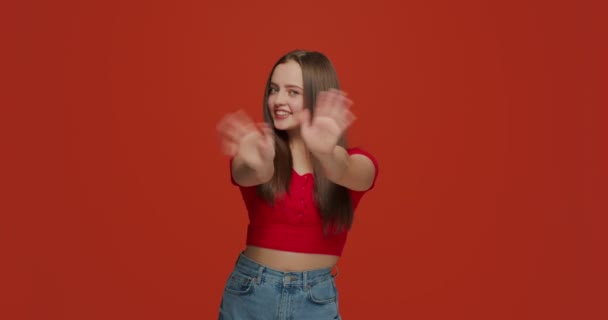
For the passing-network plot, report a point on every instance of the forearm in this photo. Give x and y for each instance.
(246, 175)
(334, 164)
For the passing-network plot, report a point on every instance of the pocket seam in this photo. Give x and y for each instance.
(235, 281)
(325, 301)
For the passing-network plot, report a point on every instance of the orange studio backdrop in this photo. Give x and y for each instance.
(488, 119)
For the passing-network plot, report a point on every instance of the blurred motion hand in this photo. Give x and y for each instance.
(331, 118)
(252, 142)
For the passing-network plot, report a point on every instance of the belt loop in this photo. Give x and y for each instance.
(259, 277)
(335, 275)
(238, 259)
(305, 280)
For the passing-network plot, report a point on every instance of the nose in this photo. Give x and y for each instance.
(280, 98)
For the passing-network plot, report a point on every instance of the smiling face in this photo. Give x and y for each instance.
(286, 95)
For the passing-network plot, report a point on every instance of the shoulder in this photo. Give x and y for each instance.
(364, 161)
(360, 151)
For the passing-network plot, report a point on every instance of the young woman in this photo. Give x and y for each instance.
(300, 184)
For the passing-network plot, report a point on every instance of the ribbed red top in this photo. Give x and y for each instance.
(294, 223)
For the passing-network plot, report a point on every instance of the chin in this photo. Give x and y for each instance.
(284, 125)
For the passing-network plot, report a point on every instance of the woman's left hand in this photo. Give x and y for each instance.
(331, 118)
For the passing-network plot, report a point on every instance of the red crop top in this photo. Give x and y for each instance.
(294, 223)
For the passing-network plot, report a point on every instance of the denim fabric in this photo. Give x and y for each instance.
(256, 292)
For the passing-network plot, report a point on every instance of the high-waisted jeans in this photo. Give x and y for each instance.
(256, 292)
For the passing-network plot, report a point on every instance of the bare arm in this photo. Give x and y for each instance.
(251, 148)
(321, 134)
(246, 176)
(354, 172)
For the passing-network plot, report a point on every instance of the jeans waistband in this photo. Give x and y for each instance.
(259, 272)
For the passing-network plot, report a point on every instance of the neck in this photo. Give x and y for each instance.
(296, 143)
(294, 134)
(298, 148)
(295, 139)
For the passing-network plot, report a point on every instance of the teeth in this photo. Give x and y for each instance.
(281, 113)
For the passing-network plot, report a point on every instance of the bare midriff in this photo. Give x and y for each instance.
(287, 261)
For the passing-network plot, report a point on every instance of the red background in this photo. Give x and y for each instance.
(487, 117)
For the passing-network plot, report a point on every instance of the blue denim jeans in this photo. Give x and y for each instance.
(256, 292)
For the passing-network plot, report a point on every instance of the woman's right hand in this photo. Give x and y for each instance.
(252, 143)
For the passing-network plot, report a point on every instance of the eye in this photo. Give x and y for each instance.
(293, 92)
(273, 90)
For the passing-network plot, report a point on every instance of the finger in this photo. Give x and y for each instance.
(269, 139)
(267, 131)
(225, 133)
(263, 126)
(340, 103)
(345, 120)
(241, 116)
(229, 130)
(229, 145)
(345, 109)
(228, 123)
(304, 118)
(322, 103)
(349, 119)
(338, 95)
(243, 122)
(232, 150)
(238, 125)
(347, 102)
(266, 148)
(333, 100)
(337, 106)
(223, 124)
(340, 106)
(229, 149)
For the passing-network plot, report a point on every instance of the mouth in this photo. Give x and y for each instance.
(281, 114)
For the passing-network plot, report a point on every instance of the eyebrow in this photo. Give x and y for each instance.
(287, 85)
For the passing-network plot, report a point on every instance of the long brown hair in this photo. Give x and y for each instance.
(333, 201)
